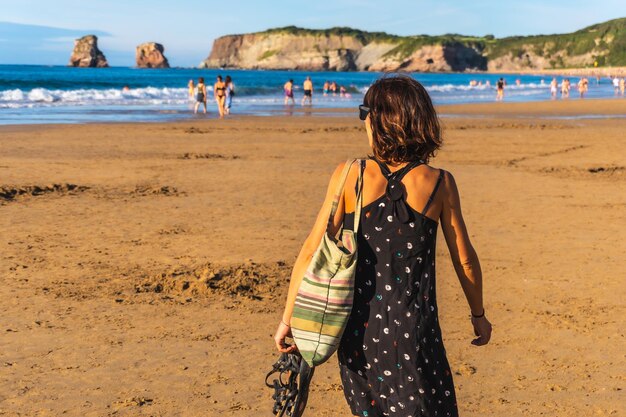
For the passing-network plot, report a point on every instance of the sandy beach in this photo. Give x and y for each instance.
(143, 267)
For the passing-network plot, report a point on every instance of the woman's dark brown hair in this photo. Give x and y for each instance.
(405, 126)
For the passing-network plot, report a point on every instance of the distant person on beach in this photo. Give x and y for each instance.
(192, 89)
(583, 86)
(616, 85)
(554, 88)
(565, 86)
(200, 95)
(333, 88)
(500, 90)
(219, 91)
(326, 88)
(622, 86)
(342, 91)
(230, 93)
(288, 89)
(392, 343)
(308, 91)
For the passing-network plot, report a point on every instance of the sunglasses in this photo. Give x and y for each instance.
(363, 111)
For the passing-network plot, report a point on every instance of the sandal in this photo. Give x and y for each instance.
(290, 394)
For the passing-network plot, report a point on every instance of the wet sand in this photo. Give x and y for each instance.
(143, 266)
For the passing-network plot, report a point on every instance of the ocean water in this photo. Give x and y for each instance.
(55, 94)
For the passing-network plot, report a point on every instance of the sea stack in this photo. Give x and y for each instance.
(150, 55)
(87, 54)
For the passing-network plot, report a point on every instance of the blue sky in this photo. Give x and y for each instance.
(187, 28)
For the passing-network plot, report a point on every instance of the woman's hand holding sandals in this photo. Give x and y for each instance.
(283, 331)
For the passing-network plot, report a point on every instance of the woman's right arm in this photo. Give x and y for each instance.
(306, 254)
(464, 258)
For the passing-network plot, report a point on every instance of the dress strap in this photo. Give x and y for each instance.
(432, 195)
(399, 174)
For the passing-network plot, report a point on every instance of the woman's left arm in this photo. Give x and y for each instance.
(306, 254)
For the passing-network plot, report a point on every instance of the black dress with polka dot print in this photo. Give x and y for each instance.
(391, 356)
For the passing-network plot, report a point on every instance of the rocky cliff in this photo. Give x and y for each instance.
(150, 55)
(338, 50)
(87, 54)
(346, 49)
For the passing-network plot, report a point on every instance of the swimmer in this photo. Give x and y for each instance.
(333, 88)
(342, 91)
(200, 95)
(126, 88)
(308, 91)
(326, 88)
(288, 89)
(219, 91)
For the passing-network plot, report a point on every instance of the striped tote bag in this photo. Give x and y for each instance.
(324, 299)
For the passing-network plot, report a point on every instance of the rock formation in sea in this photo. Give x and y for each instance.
(87, 54)
(150, 55)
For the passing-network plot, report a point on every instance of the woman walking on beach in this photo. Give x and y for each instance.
(219, 91)
(200, 95)
(391, 357)
(230, 93)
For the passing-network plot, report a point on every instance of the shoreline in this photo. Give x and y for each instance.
(547, 109)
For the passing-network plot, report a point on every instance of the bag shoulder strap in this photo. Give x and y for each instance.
(339, 191)
(359, 197)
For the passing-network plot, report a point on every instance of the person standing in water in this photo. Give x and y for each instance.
(230, 93)
(308, 91)
(616, 85)
(192, 89)
(622, 86)
(219, 91)
(288, 90)
(565, 88)
(500, 90)
(554, 88)
(326, 88)
(200, 95)
(583, 86)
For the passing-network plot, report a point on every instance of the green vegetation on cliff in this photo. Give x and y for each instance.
(603, 42)
(362, 36)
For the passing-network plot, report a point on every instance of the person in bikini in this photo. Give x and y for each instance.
(219, 91)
